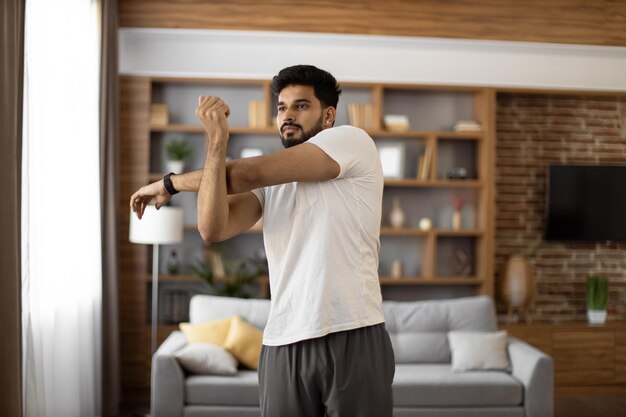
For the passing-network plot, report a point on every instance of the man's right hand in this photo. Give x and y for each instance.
(145, 194)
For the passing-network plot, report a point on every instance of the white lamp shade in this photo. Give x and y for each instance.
(162, 227)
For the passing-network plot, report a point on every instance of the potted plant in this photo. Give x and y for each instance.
(597, 299)
(177, 150)
(239, 274)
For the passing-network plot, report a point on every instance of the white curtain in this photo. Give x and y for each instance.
(61, 258)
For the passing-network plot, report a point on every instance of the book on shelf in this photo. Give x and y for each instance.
(423, 163)
(396, 122)
(362, 115)
(467, 126)
(257, 117)
(159, 114)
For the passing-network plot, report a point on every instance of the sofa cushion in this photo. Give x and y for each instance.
(206, 358)
(203, 308)
(436, 385)
(479, 351)
(213, 332)
(419, 329)
(244, 341)
(240, 389)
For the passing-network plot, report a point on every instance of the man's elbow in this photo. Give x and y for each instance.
(209, 234)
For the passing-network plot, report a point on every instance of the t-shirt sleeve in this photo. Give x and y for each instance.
(260, 195)
(352, 148)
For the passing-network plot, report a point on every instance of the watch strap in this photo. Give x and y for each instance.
(167, 183)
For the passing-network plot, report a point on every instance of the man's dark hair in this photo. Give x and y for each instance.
(324, 84)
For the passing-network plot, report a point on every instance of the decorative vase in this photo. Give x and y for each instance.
(396, 215)
(396, 269)
(173, 263)
(518, 286)
(456, 220)
(175, 166)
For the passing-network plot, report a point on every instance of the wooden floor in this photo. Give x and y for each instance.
(589, 406)
(563, 407)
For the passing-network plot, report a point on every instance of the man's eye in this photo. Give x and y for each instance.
(302, 106)
(281, 109)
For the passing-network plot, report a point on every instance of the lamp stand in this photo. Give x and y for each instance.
(155, 294)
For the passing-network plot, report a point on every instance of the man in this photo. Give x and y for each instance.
(325, 348)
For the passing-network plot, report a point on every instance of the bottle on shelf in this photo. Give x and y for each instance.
(456, 214)
(396, 215)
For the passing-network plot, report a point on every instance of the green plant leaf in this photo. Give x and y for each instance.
(597, 292)
(178, 149)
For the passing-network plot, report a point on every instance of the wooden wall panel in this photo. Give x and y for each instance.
(133, 173)
(601, 22)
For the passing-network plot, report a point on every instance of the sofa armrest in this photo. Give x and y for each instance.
(167, 394)
(535, 370)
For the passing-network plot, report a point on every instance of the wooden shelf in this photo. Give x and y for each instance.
(189, 128)
(387, 231)
(261, 279)
(403, 231)
(431, 281)
(460, 232)
(425, 134)
(270, 130)
(433, 183)
(411, 231)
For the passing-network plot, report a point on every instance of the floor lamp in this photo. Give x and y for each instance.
(156, 227)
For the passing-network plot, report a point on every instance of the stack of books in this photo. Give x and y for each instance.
(396, 122)
(362, 115)
(257, 117)
(467, 126)
(159, 115)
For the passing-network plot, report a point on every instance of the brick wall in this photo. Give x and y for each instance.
(534, 131)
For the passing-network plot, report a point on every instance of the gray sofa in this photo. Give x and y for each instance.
(424, 384)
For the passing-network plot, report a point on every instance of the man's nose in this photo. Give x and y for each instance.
(288, 116)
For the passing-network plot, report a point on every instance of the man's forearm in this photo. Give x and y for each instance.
(212, 193)
(189, 181)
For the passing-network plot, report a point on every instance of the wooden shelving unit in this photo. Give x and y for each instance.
(423, 105)
(432, 110)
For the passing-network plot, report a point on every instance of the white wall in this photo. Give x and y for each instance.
(259, 55)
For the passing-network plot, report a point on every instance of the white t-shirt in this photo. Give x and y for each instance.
(322, 243)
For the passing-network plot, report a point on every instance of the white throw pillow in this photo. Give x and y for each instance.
(206, 358)
(478, 351)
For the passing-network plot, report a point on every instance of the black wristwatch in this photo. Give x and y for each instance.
(167, 183)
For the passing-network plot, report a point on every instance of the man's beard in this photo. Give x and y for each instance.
(293, 141)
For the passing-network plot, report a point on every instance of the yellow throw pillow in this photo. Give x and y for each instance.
(244, 342)
(214, 332)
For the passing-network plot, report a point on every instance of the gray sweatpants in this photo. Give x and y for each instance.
(343, 374)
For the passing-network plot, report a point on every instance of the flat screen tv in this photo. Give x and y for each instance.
(586, 203)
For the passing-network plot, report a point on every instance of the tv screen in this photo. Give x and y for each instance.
(586, 203)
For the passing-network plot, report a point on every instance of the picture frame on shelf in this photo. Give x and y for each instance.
(392, 157)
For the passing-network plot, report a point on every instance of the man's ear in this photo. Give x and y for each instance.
(330, 113)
